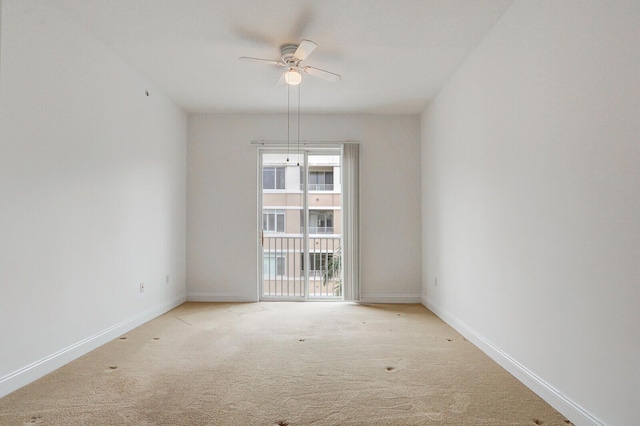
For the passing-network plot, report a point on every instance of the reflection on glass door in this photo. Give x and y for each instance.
(301, 219)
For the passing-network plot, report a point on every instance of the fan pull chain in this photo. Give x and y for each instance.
(299, 86)
(288, 120)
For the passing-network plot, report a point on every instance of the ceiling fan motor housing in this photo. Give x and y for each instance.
(287, 51)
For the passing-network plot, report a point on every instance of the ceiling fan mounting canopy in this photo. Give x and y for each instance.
(291, 56)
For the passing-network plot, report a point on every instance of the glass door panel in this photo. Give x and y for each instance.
(324, 214)
(282, 242)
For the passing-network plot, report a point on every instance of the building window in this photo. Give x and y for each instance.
(318, 263)
(319, 180)
(273, 221)
(273, 265)
(320, 222)
(273, 178)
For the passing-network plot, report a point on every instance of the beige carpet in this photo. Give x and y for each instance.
(282, 364)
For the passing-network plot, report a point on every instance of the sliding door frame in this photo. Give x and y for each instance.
(349, 209)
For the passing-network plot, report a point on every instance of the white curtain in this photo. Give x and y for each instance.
(351, 225)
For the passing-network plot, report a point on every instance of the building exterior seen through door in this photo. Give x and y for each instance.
(301, 219)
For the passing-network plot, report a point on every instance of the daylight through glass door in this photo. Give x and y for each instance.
(301, 218)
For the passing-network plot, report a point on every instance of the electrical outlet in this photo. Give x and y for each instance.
(141, 287)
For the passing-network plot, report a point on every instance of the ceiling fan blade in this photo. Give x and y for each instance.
(325, 75)
(268, 61)
(304, 49)
(281, 81)
(301, 24)
(254, 36)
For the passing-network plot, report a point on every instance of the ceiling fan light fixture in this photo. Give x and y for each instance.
(293, 77)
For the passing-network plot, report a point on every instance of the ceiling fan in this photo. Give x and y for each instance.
(292, 56)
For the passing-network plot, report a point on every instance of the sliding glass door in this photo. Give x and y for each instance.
(300, 220)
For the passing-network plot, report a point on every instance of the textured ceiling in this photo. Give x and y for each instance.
(393, 55)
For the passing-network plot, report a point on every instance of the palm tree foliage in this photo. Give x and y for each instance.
(333, 272)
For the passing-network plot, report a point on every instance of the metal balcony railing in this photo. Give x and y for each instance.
(319, 230)
(318, 187)
(284, 265)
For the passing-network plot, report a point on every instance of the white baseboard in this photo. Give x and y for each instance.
(221, 297)
(46, 365)
(574, 412)
(390, 298)
(243, 297)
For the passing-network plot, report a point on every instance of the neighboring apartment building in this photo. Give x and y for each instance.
(285, 263)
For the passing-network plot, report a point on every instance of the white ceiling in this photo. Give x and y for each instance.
(393, 55)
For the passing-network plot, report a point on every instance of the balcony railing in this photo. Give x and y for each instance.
(318, 230)
(318, 187)
(288, 280)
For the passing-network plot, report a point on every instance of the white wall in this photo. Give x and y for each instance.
(93, 190)
(222, 201)
(531, 203)
(0, 45)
